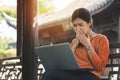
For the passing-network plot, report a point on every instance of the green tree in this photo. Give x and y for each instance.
(3, 45)
(9, 11)
(45, 6)
(4, 42)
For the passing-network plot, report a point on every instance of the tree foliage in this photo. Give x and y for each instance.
(3, 48)
(45, 6)
(4, 42)
(9, 11)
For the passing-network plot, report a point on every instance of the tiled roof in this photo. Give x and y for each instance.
(94, 6)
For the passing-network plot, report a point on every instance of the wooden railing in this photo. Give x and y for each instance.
(11, 68)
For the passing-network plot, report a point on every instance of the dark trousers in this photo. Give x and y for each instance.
(68, 75)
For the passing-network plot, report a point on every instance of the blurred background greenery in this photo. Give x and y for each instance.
(5, 49)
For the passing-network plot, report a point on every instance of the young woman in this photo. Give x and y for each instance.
(90, 49)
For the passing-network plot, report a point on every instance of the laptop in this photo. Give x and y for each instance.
(57, 56)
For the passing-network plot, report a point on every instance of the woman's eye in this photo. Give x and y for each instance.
(74, 25)
(80, 25)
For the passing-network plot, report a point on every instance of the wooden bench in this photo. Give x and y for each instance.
(112, 70)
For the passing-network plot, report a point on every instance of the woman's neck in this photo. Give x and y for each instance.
(92, 34)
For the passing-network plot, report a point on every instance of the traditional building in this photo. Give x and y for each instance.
(56, 27)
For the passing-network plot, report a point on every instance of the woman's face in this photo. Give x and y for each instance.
(81, 25)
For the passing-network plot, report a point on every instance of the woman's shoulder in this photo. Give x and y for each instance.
(100, 40)
(101, 36)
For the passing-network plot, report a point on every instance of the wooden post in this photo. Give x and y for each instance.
(19, 27)
(27, 10)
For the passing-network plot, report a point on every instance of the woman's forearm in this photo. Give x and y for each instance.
(74, 44)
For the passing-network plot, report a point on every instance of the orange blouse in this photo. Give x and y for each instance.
(100, 44)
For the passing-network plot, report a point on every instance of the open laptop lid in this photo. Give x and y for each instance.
(57, 56)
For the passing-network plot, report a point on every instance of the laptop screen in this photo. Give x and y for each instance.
(57, 56)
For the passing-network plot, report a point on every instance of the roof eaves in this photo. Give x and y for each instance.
(93, 6)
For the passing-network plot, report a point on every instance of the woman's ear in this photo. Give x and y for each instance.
(91, 22)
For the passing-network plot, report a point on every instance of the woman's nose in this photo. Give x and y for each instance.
(77, 27)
